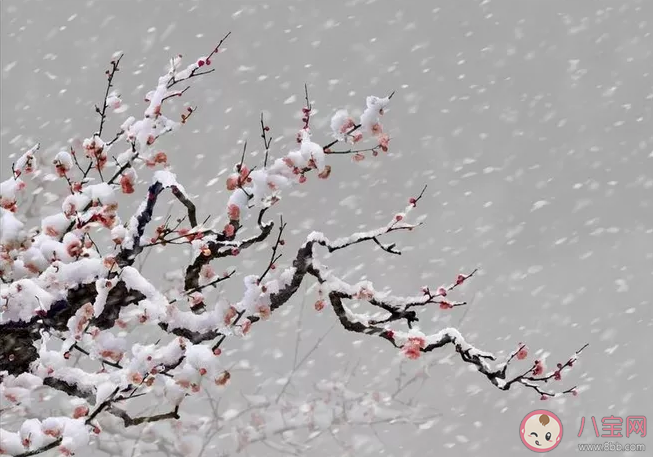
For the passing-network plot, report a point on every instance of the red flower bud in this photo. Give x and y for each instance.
(445, 305)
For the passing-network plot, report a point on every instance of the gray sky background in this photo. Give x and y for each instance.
(530, 121)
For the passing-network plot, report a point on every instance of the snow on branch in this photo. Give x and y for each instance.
(413, 342)
(130, 236)
(66, 296)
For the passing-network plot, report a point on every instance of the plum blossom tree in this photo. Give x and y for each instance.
(69, 302)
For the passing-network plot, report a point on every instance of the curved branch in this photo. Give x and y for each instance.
(448, 336)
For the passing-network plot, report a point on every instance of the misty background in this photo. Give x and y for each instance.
(530, 122)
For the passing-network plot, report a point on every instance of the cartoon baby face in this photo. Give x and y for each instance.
(541, 431)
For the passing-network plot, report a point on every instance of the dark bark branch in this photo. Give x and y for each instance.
(222, 248)
(190, 207)
(496, 375)
(111, 73)
(70, 389)
(17, 339)
(130, 422)
(42, 449)
(127, 257)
